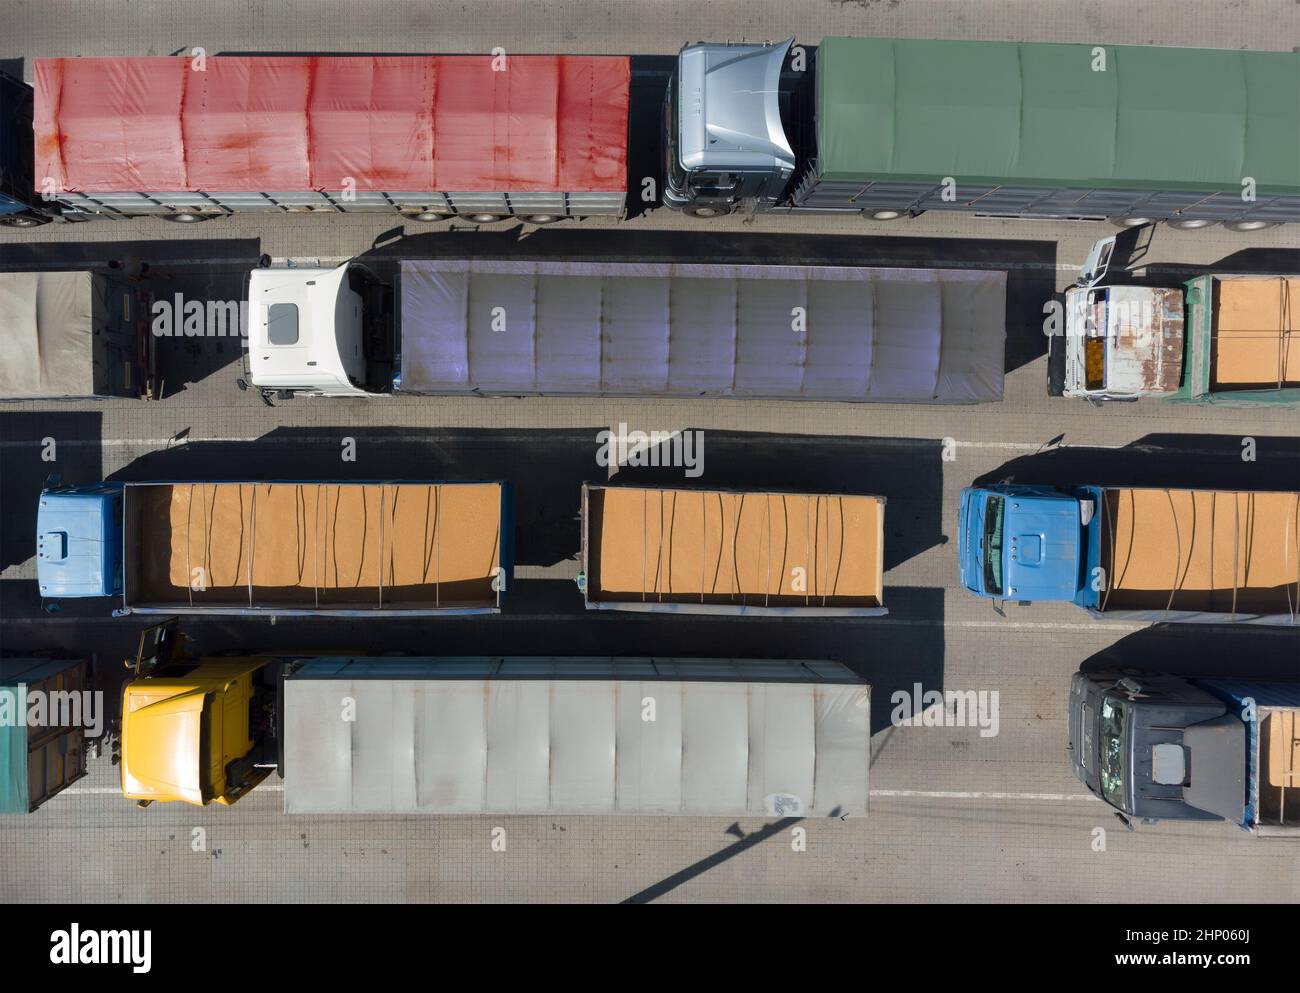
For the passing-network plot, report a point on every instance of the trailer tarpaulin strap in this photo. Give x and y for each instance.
(641, 329)
(520, 124)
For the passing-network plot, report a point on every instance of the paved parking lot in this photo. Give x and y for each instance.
(953, 815)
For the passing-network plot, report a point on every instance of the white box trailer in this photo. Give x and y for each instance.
(719, 737)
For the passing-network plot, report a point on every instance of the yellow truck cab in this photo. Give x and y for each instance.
(194, 730)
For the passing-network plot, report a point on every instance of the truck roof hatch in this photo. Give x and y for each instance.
(730, 107)
(1041, 548)
(1217, 760)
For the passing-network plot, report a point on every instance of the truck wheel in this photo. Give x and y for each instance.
(1188, 223)
(185, 217)
(1130, 222)
(884, 214)
(24, 220)
(543, 218)
(428, 216)
(706, 211)
(484, 218)
(1249, 225)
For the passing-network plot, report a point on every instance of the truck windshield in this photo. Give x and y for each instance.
(993, 515)
(1094, 342)
(1111, 766)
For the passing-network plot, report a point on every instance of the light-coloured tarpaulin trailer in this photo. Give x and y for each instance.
(659, 329)
(1199, 555)
(306, 548)
(701, 551)
(728, 738)
(69, 335)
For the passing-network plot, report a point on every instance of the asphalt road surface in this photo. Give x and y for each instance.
(953, 815)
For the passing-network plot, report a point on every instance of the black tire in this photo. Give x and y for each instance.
(706, 211)
(24, 220)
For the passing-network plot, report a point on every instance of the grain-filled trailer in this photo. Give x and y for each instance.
(46, 722)
(1136, 553)
(1242, 340)
(515, 328)
(890, 127)
(534, 136)
(292, 548)
(701, 551)
(74, 335)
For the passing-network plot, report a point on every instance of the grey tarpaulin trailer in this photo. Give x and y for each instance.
(659, 329)
(73, 334)
(572, 736)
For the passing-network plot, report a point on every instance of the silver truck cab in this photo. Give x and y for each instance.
(725, 144)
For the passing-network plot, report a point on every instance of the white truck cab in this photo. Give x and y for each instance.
(1121, 342)
(307, 331)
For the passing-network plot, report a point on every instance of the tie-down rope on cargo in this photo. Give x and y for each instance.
(189, 575)
(1106, 528)
(252, 546)
(1284, 332)
(1286, 549)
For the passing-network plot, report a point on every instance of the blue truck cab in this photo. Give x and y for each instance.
(1027, 543)
(79, 541)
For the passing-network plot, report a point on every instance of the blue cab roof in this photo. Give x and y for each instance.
(72, 530)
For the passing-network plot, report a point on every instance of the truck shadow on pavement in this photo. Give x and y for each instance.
(206, 270)
(1205, 461)
(1202, 651)
(32, 447)
(547, 468)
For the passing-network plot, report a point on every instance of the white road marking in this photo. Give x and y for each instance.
(331, 439)
(978, 795)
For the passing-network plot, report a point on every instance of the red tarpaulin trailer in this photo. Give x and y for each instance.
(525, 134)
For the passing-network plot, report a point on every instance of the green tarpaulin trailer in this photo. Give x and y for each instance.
(1055, 130)
(41, 752)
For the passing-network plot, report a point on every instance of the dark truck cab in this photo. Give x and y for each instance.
(1158, 747)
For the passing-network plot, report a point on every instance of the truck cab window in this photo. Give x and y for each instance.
(1111, 766)
(993, 516)
(716, 182)
(1094, 342)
